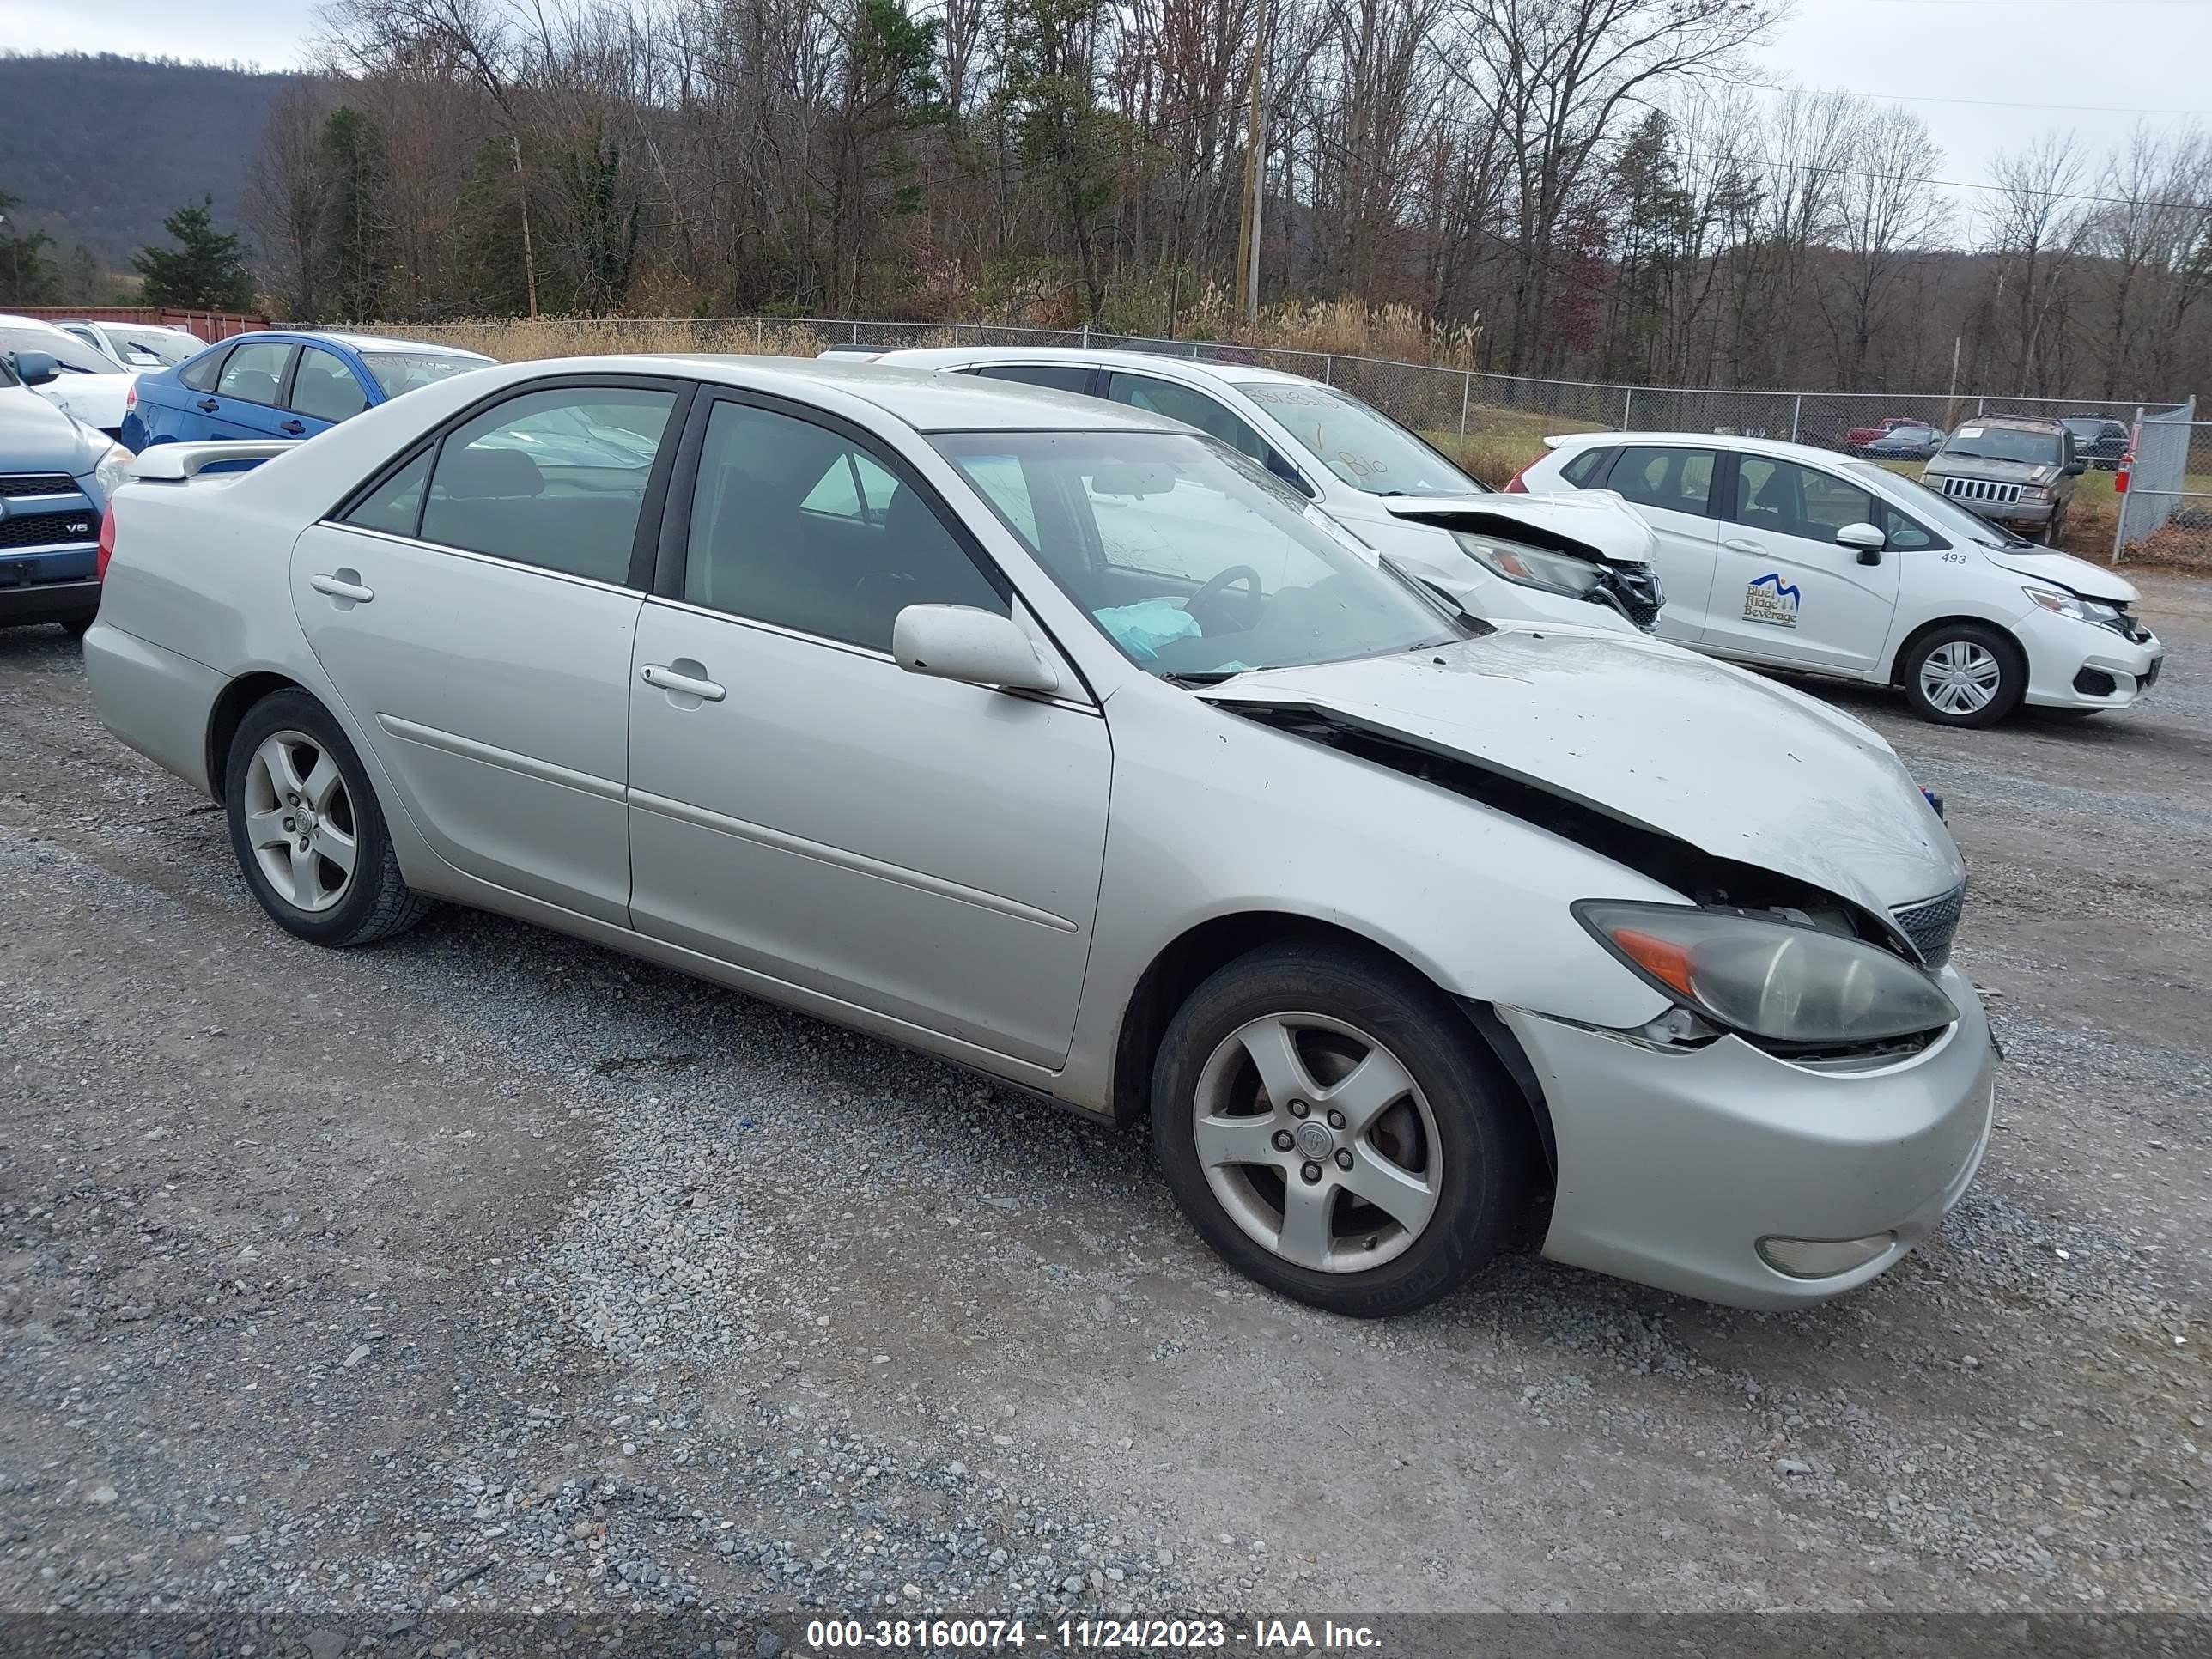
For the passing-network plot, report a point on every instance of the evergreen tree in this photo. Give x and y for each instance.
(26, 276)
(205, 271)
(356, 242)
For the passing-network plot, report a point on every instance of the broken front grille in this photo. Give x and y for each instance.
(1980, 489)
(1931, 923)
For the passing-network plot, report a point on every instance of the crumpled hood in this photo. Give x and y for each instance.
(37, 437)
(2088, 580)
(1597, 523)
(1656, 736)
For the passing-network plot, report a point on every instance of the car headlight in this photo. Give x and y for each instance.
(2074, 605)
(111, 471)
(1785, 981)
(1554, 573)
(2035, 492)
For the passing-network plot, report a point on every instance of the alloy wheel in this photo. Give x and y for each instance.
(1960, 677)
(299, 821)
(1317, 1142)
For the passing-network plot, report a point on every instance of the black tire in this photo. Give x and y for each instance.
(2012, 684)
(76, 627)
(2054, 529)
(377, 902)
(1483, 1136)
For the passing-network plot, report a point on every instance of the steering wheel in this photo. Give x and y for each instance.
(1209, 601)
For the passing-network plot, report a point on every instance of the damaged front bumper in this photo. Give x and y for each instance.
(1673, 1166)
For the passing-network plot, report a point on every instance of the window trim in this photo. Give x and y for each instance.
(638, 579)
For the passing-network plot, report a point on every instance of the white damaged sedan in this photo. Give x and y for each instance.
(1058, 741)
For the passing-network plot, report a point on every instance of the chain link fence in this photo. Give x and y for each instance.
(2166, 513)
(1494, 423)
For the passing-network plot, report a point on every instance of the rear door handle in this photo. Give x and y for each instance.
(667, 679)
(1740, 545)
(293, 427)
(338, 588)
(210, 405)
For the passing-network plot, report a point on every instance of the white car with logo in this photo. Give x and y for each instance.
(1562, 560)
(1783, 556)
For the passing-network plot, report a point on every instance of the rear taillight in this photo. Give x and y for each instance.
(130, 395)
(107, 544)
(1514, 486)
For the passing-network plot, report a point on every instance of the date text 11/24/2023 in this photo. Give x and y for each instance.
(983, 1635)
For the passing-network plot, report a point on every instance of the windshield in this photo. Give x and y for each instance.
(1192, 560)
(1363, 446)
(1939, 510)
(166, 346)
(2005, 443)
(409, 371)
(72, 355)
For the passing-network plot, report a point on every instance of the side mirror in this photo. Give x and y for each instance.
(1867, 538)
(960, 642)
(2074, 469)
(36, 368)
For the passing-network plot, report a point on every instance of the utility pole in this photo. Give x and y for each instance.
(1247, 229)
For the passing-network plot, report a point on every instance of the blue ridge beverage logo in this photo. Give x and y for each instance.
(1771, 601)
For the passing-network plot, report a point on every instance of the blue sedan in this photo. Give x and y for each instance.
(281, 383)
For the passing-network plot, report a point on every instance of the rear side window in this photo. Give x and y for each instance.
(1059, 377)
(395, 506)
(1586, 467)
(1180, 403)
(200, 372)
(254, 372)
(325, 388)
(554, 479)
(1680, 480)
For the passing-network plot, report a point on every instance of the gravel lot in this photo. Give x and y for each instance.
(489, 1271)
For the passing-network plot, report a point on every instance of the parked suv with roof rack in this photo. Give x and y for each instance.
(2009, 470)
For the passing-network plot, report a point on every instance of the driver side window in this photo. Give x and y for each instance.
(1789, 500)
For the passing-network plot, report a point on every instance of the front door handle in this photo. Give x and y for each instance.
(667, 679)
(338, 588)
(1740, 545)
(208, 405)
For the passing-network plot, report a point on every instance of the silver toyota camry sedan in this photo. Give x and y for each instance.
(1059, 740)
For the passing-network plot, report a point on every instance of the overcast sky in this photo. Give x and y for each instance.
(2124, 59)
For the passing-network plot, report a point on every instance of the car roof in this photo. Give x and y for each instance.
(9, 320)
(1776, 447)
(1195, 368)
(2016, 423)
(351, 342)
(925, 400)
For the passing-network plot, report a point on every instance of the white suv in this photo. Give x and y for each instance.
(1787, 556)
(1558, 561)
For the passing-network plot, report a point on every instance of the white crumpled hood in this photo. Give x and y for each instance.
(2089, 581)
(1597, 520)
(1647, 733)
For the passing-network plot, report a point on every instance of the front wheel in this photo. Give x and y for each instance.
(305, 824)
(1964, 674)
(1335, 1130)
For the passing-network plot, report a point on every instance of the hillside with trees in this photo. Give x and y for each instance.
(1583, 188)
(98, 150)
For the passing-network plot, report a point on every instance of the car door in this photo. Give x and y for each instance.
(324, 391)
(167, 409)
(802, 807)
(474, 607)
(248, 397)
(1784, 591)
(1671, 486)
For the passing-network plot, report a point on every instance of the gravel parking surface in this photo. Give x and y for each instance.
(489, 1270)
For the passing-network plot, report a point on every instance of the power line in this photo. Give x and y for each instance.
(1996, 103)
(1950, 184)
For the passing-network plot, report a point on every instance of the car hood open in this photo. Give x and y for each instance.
(1595, 523)
(1651, 736)
(2077, 575)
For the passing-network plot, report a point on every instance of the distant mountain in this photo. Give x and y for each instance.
(102, 150)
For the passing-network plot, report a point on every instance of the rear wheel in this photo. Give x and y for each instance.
(1334, 1128)
(309, 836)
(1964, 674)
